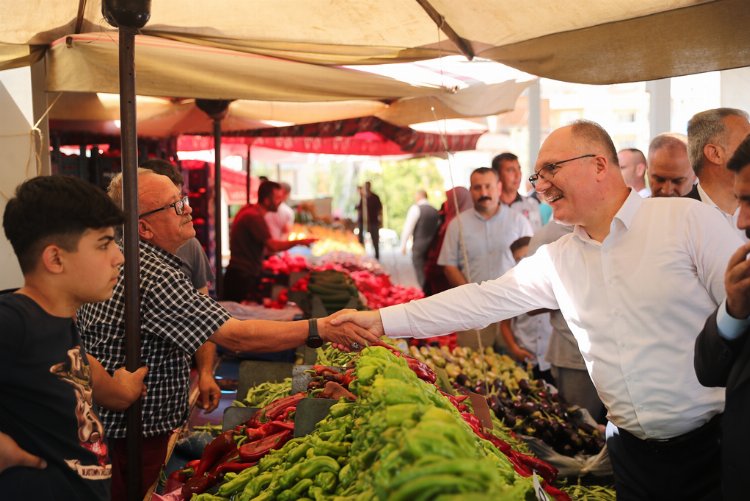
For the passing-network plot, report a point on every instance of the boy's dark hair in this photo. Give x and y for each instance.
(165, 169)
(266, 189)
(521, 242)
(55, 209)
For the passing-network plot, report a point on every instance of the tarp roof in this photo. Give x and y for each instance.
(588, 41)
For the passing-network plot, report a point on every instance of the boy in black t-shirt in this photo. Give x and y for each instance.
(51, 440)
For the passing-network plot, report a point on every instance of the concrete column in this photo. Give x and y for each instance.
(535, 123)
(734, 85)
(661, 105)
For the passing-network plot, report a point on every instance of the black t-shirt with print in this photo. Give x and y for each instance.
(46, 406)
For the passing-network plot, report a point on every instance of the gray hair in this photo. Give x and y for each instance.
(705, 127)
(114, 190)
(594, 133)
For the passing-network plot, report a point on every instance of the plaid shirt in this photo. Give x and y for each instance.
(176, 320)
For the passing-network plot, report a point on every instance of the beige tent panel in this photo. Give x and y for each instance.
(88, 63)
(594, 41)
(680, 42)
(478, 101)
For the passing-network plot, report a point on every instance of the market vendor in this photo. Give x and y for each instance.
(635, 281)
(249, 239)
(176, 320)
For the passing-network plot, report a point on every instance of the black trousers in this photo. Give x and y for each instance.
(687, 467)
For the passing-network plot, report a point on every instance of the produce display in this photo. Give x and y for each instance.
(523, 404)
(392, 435)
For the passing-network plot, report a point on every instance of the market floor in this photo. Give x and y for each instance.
(398, 266)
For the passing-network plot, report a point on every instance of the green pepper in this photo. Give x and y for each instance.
(327, 480)
(334, 449)
(297, 453)
(238, 483)
(429, 486)
(347, 474)
(257, 484)
(313, 466)
(295, 492)
(317, 493)
(270, 461)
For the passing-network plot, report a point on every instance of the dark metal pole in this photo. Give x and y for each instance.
(129, 16)
(132, 272)
(217, 208)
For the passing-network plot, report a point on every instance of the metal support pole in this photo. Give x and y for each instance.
(129, 150)
(217, 208)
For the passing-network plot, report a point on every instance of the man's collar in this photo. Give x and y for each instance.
(155, 249)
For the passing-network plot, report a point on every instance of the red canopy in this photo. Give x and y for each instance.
(356, 136)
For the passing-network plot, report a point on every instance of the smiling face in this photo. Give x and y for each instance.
(571, 184)
(92, 268)
(165, 228)
(485, 192)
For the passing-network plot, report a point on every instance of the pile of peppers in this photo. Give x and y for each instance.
(241, 447)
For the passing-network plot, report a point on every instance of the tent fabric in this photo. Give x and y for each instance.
(88, 63)
(590, 41)
(362, 136)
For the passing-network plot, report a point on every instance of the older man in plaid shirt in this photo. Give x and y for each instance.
(175, 321)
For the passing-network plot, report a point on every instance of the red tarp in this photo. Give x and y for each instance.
(233, 183)
(356, 136)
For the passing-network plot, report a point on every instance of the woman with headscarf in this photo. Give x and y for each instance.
(457, 200)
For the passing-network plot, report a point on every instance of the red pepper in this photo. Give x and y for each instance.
(197, 485)
(474, 422)
(227, 467)
(253, 451)
(543, 468)
(268, 428)
(276, 408)
(218, 447)
(556, 493)
(502, 445)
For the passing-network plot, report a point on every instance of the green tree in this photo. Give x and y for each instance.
(398, 181)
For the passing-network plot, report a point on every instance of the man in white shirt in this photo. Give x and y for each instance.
(477, 246)
(280, 222)
(713, 137)
(421, 225)
(633, 167)
(669, 170)
(634, 281)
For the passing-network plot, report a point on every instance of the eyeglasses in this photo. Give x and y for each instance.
(179, 207)
(547, 171)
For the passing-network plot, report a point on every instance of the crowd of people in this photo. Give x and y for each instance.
(646, 288)
(634, 301)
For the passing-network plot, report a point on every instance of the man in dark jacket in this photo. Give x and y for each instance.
(722, 353)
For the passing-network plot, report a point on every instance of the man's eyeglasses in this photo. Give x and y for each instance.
(547, 171)
(179, 207)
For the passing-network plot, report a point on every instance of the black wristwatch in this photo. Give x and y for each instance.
(313, 338)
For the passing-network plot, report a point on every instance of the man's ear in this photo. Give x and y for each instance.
(51, 259)
(640, 170)
(714, 153)
(144, 230)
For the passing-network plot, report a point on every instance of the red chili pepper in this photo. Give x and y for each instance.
(275, 409)
(543, 468)
(502, 445)
(218, 447)
(474, 422)
(253, 451)
(556, 493)
(197, 485)
(227, 467)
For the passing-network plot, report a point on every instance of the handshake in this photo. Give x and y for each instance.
(351, 330)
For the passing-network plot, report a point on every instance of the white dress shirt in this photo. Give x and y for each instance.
(487, 243)
(280, 222)
(634, 302)
(730, 218)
